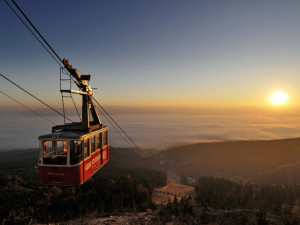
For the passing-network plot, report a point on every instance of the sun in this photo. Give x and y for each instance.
(279, 98)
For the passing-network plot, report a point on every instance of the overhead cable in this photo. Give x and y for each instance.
(59, 64)
(114, 126)
(37, 30)
(116, 123)
(33, 33)
(40, 115)
(35, 97)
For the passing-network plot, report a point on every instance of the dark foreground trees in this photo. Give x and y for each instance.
(224, 194)
(220, 201)
(115, 191)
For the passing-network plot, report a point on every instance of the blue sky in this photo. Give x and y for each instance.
(157, 53)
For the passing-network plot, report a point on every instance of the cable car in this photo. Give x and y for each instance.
(75, 151)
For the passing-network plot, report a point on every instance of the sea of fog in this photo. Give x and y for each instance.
(158, 131)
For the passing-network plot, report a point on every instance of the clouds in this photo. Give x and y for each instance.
(160, 130)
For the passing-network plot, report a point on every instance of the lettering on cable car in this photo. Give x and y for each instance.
(96, 159)
(88, 166)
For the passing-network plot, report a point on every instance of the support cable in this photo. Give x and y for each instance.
(37, 30)
(60, 65)
(114, 126)
(33, 33)
(75, 106)
(40, 115)
(116, 123)
(105, 113)
(35, 97)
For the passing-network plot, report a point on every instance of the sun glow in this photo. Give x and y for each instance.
(279, 98)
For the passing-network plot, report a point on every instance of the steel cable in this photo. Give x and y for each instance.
(59, 64)
(32, 33)
(35, 97)
(40, 115)
(37, 30)
(115, 123)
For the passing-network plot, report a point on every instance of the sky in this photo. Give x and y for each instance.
(213, 62)
(157, 53)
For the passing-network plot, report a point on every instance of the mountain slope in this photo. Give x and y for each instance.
(272, 161)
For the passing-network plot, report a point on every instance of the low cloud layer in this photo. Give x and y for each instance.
(159, 131)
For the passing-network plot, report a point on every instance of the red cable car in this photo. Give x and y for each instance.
(75, 151)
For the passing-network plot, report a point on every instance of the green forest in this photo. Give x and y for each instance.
(220, 201)
(126, 185)
(112, 190)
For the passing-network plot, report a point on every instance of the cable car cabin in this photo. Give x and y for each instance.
(69, 158)
(75, 151)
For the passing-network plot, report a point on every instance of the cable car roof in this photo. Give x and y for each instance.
(71, 134)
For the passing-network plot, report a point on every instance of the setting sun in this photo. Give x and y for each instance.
(279, 98)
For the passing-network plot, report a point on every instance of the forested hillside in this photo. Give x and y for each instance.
(117, 187)
(263, 162)
(220, 201)
(242, 182)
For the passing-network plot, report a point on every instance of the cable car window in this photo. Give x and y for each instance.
(55, 152)
(62, 148)
(104, 138)
(93, 144)
(75, 152)
(47, 148)
(99, 140)
(87, 148)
